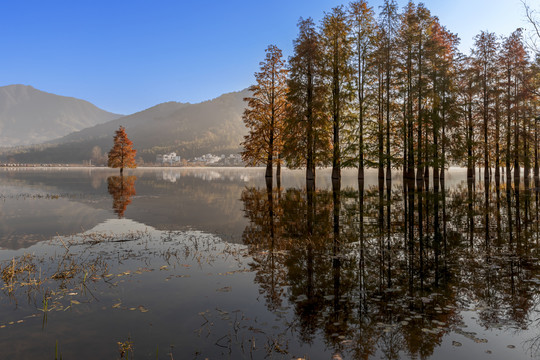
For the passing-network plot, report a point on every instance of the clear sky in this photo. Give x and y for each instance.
(127, 55)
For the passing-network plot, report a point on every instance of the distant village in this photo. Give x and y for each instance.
(168, 160)
(172, 159)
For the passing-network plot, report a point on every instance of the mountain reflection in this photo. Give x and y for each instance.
(390, 270)
(121, 188)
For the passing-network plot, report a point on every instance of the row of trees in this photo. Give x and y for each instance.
(394, 92)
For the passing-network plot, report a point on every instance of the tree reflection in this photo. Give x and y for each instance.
(390, 269)
(121, 188)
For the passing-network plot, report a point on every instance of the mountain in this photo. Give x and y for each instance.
(214, 126)
(31, 116)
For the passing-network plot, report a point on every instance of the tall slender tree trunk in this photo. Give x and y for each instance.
(508, 128)
(405, 140)
(388, 72)
(310, 166)
(336, 103)
(497, 140)
(420, 169)
(435, 152)
(486, 118)
(443, 139)
(270, 160)
(361, 81)
(470, 170)
(536, 169)
(517, 170)
(278, 172)
(380, 116)
(526, 155)
(410, 131)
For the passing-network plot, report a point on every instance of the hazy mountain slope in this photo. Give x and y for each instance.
(30, 116)
(189, 129)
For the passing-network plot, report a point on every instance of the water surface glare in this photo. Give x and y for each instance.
(211, 263)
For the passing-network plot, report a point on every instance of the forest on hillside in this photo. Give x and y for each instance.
(190, 130)
(391, 90)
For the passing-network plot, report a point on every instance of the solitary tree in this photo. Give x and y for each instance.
(122, 154)
(265, 112)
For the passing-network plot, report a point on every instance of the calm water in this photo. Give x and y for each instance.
(210, 263)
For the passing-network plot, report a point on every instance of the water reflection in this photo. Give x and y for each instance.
(121, 188)
(365, 269)
(392, 270)
(37, 204)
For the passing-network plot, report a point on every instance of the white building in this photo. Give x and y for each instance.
(171, 158)
(208, 159)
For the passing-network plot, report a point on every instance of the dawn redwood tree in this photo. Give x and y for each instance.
(441, 49)
(388, 26)
(306, 131)
(363, 31)
(407, 44)
(397, 92)
(485, 63)
(467, 99)
(418, 48)
(514, 61)
(122, 154)
(265, 112)
(535, 84)
(337, 52)
(425, 20)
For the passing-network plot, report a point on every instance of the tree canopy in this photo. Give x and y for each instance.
(122, 154)
(393, 92)
(265, 112)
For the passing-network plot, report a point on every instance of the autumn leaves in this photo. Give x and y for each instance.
(392, 92)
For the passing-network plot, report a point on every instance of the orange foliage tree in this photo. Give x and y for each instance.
(265, 112)
(122, 154)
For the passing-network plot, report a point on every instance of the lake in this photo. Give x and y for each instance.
(190, 263)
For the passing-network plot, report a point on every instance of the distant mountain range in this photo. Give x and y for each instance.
(190, 130)
(29, 116)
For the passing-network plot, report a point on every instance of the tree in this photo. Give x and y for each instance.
(387, 29)
(307, 139)
(98, 158)
(265, 112)
(406, 41)
(441, 50)
(485, 63)
(122, 154)
(467, 99)
(532, 18)
(363, 28)
(514, 61)
(337, 72)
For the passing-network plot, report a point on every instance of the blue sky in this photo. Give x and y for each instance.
(125, 56)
